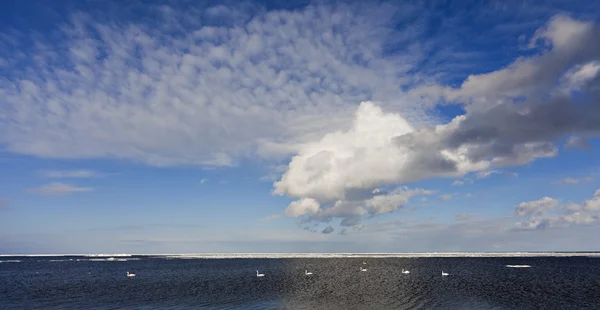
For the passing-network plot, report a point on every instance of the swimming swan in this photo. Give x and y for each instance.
(130, 274)
(306, 273)
(405, 271)
(444, 273)
(259, 274)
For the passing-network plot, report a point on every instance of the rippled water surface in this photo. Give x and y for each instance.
(336, 283)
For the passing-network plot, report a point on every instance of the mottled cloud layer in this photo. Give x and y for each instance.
(199, 86)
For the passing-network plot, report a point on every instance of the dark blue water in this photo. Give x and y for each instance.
(337, 283)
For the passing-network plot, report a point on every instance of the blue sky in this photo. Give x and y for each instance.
(187, 127)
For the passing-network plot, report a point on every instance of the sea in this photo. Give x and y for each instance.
(162, 282)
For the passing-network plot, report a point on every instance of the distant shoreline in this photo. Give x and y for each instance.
(329, 255)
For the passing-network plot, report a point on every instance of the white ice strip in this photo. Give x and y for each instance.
(327, 255)
(375, 255)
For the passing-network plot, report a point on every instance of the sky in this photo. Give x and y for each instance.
(308, 126)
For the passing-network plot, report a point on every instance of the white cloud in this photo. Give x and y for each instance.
(462, 182)
(548, 213)
(69, 173)
(580, 75)
(381, 204)
(536, 207)
(353, 210)
(203, 181)
(486, 173)
(181, 91)
(363, 157)
(302, 207)
(468, 195)
(57, 188)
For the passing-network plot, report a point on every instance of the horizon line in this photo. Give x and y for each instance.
(300, 254)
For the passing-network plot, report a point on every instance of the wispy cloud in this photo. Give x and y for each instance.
(462, 182)
(488, 173)
(458, 183)
(577, 142)
(203, 181)
(57, 188)
(271, 217)
(69, 173)
(574, 180)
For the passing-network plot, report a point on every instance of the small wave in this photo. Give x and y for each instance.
(518, 266)
(10, 261)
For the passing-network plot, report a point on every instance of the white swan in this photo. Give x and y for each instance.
(259, 274)
(129, 274)
(363, 269)
(364, 263)
(306, 273)
(405, 271)
(444, 273)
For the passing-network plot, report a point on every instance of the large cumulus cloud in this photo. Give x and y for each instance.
(513, 116)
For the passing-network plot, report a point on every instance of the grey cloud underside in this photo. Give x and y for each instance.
(508, 134)
(511, 132)
(327, 230)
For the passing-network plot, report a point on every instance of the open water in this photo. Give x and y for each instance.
(336, 283)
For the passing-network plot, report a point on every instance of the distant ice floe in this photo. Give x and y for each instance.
(10, 261)
(127, 257)
(518, 266)
(63, 255)
(106, 255)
